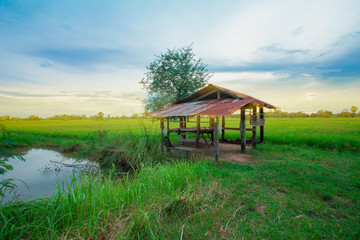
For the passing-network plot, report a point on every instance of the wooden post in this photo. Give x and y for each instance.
(223, 128)
(162, 133)
(168, 126)
(261, 126)
(197, 130)
(212, 126)
(217, 139)
(254, 120)
(181, 122)
(242, 130)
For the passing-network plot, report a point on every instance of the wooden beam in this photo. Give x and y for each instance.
(197, 130)
(227, 128)
(217, 139)
(223, 128)
(242, 130)
(254, 127)
(261, 126)
(204, 95)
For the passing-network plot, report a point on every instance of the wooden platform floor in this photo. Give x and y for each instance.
(228, 152)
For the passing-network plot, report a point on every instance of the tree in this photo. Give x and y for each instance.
(344, 113)
(173, 76)
(353, 109)
(101, 115)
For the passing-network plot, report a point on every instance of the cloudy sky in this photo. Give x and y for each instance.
(87, 56)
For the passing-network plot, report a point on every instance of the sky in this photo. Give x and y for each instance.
(86, 56)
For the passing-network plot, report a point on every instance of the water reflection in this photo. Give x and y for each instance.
(42, 170)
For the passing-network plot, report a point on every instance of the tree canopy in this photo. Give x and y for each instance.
(173, 76)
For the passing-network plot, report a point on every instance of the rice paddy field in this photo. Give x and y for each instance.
(303, 183)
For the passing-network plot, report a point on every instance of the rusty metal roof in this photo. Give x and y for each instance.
(205, 102)
(211, 108)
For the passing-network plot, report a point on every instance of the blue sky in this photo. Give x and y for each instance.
(87, 56)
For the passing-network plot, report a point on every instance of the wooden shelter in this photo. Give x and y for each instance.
(213, 102)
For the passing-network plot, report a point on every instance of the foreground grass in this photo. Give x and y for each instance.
(294, 190)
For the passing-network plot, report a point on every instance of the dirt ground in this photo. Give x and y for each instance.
(228, 152)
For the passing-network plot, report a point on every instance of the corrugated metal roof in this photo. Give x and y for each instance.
(193, 105)
(212, 108)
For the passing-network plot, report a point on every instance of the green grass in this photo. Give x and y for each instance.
(341, 134)
(304, 185)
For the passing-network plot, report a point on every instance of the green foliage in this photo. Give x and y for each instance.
(173, 76)
(68, 117)
(33, 117)
(319, 114)
(322, 114)
(5, 118)
(353, 109)
(6, 145)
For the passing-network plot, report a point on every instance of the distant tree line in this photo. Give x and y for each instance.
(65, 117)
(345, 113)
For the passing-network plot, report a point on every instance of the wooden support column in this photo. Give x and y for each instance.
(181, 121)
(197, 130)
(162, 133)
(223, 128)
(212, 126)
(262, 125)
(217, 139)
(254, 120)
(242, 130)
(168, 126)
(181, 125)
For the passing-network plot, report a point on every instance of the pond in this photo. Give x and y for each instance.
(42, 170)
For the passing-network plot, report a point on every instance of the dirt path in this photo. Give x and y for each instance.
(228, 152)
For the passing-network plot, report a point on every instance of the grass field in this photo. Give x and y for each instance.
(342, 134)
(304, 184)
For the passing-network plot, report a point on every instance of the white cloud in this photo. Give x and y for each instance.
(237, 38)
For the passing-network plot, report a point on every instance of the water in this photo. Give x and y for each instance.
(42, 170)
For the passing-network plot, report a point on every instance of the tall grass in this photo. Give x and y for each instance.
(152, 204)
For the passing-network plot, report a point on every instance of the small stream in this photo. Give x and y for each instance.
(42, 170)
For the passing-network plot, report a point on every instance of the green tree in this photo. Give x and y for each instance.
(353, 109)
(173, 76)
(344, 113)
(100, 115)
(33, 117)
